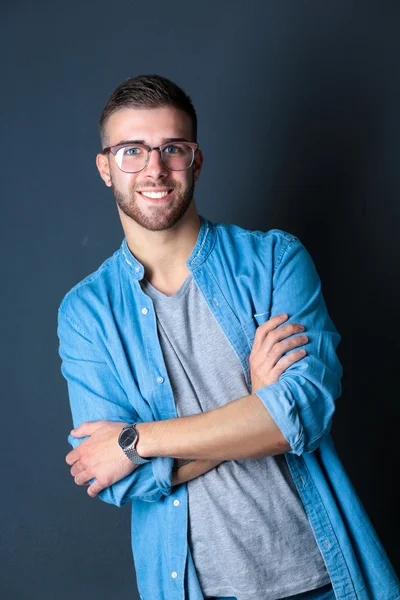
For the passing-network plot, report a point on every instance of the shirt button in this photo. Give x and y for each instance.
(174, 574)
(160, 379)
(137, 269)
(145, 311)
(176, 503)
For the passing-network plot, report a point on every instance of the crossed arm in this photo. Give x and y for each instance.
(290, 415)
(240, 429)
(96, 460)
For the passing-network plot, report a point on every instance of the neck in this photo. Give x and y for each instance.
(163, 253)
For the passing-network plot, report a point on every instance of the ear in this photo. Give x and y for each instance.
(104, 168)
(198, 163)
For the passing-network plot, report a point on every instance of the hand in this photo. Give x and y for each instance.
(99, 456)
(265, 366)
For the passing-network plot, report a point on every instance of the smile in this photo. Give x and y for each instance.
(157, 197)
(155, 194)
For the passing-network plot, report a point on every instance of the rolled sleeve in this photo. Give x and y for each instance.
(95, 394)
(302, 402)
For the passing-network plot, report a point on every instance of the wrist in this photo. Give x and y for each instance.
(143, 447)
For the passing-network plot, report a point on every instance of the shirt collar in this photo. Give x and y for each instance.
(202, 248)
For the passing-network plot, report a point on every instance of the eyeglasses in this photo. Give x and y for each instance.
(132, 158)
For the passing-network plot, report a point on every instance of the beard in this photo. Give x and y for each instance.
(159, 217)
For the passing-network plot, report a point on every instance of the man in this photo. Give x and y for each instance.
(188, 391)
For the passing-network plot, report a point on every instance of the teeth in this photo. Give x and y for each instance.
(155, 194)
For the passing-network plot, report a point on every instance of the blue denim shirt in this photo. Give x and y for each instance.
(114, 367)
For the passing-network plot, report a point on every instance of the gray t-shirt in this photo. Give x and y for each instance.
(248, 531)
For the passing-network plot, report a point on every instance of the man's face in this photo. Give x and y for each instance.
(151, 126)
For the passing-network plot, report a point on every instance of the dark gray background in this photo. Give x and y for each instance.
(306, 94)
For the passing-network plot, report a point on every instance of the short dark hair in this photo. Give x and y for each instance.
(147, 91)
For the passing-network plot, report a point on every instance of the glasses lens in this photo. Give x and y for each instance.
(177, 156)
(131, 158)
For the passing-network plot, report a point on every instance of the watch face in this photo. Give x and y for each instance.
(128, 436)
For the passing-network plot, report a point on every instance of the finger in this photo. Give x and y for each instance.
(270, 352)
(94, 489)
(86, 428)
(284, 332)
(274, 365)
(263, 330)
(83, 478)
(271, 342)
(281, 347)
(72, 456)
(77, 468)
(288, 360)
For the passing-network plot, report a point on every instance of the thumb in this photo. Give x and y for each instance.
(87, 428)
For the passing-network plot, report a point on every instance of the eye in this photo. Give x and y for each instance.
(132, 151)
(172, 149)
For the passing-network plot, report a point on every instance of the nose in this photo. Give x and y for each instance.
(155, 167)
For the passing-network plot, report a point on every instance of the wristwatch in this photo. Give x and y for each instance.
(127, 440)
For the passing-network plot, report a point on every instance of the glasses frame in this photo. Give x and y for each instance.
(114, 149)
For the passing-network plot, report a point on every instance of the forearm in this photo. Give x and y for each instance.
(240, 429)
(193, 470)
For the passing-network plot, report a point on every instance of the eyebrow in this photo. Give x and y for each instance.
(165, 140)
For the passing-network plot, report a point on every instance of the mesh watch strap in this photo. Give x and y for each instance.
(133, 454)
(135, 457)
